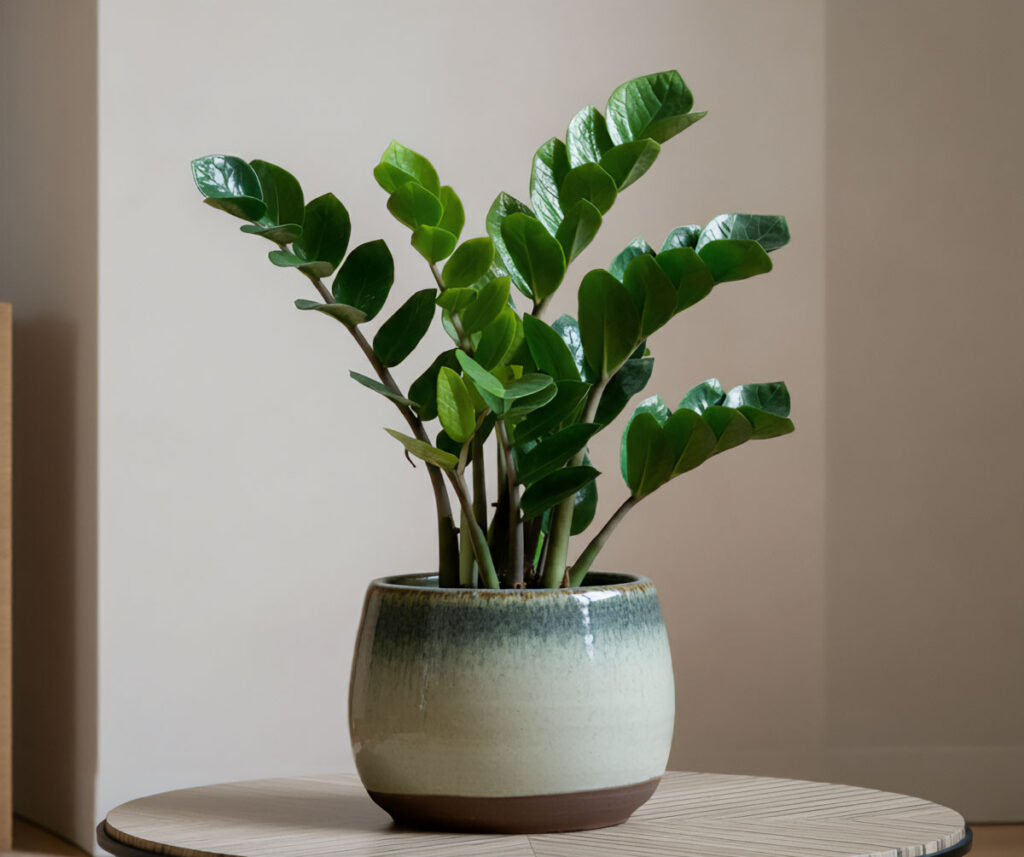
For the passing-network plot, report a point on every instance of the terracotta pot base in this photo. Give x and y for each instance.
(555, 813)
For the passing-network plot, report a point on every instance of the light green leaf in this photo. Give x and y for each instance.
(734, 260)
(400, 165)
(609, 323)
(415, 206)
(554, 488)
(401, 333)
(423, 450)
(491, 299)
(365, 278)
(649, 457)
(769, 230)
(628, 161)
(589, 182)
(484, 380)
(502, 207)
(549, 350)
(378, 387)
(454, 407)
(282, 194)
(636, 247)
(453, 218)
(534, 253)
(587, 138)
(703, 396)
(433, 243)
(527, 385)
(550, 165)
(652, 293)
(325, 232)
(578, 228)
(470, 262)
(656, 106)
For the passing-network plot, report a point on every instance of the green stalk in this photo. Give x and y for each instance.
(467, 562)
(590, 552)
(515, 523)
(476, 533)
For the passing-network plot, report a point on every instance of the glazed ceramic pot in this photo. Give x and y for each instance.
(511, 711)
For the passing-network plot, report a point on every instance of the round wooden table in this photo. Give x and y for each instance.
(690, 815)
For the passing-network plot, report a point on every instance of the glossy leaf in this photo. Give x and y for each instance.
(456, 300)
(569, 329)
(378, 387)
(348, 315)
(454, 406)
(652, 293)
(649, 456)
(554, 488)
(624, 384)
(229, 184)
(550, 165)
(527, 385)
(628, 161)
(653, 406)
(423, 450)
(769, 230)
(415, 206)
(656, 106)
(365, 278)
(584, 506)
(485, 382)
(423, 391)
(401, 333)
(400, 165)
(681, 236)
(469, 264)
(689, 276)
(282, 194)
(609, 322)
(497, 339)
(693, 440)
(589, 182)
(325, 231)
(567, 404)
(502, 207)
(535, 254)
(636, 247)
(453, 218)
(284, 259)
(549, 351)
(772, 397)
(552, 452)
(285, 234)
(587, 138)
(766, 425)
(734, 260)
(703, 396)
(491, 300)
(433, 243)
(521, 406)
(731, 428)
(578, 228)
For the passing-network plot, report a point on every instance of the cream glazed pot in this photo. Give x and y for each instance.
(511, 711)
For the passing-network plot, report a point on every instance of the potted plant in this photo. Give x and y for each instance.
(509, 689)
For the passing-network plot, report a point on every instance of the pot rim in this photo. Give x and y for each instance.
(615, 581)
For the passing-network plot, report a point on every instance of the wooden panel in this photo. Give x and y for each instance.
(691, 815)
(5, 577)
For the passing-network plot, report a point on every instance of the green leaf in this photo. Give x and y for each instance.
(628, 161)
(456, 300)
(347, 315)
(609, 323)
(229, 184)
(365, 278)
(285, 234)
(689, 276)
(731, 428)
(550, 165)
(552, 452)
(766, 425)
(649, 456)
(734, 260)
(653, 406)
(401, 333)
(453, 218)
(624, 384)
(587, 138)
(454, 406)
(400, 165)
(549, 350)
(284, 259)
(502, 207)
(652, 292)
(578, 229)
(535, 253)
(491, 300)
(772, 397)
(378, 387)
(423, 391)
(584, 506)
(282, 194)
(769, 230)
(703, 396)
(682, 236)
(415, 206)
(636, 247)
(693, 441)
(423, 450)
(656, 106)
(567, 403)
(325, 232)
(527, 385)
(497, 339)
(515, 409)
(484, 380)
(433, 243)
(589, 182)
(554, 488)
(569, 329)
(469, 263)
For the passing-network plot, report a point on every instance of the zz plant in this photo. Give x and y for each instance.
(541, 389)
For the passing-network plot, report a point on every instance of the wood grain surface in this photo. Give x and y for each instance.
(690, 815)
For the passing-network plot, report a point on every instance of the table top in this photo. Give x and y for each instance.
(690, 815)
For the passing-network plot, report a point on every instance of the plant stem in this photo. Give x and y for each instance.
(515, 523)
(476, 533)
(467, 558)
(586, 559)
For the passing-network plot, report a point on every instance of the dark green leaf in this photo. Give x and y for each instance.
(469, 263)
(244, 207)
(423, 391)
(624, 384)
(549, 350)
(652, 293)
(730, 426)
(628, 161)
(584, 506)
(415, 206)
(692, 439)
(422, 449)
(703, 396)
(772, 397)
(453, 218)
(433, 243)
(655, 106)
(590, 182)
(401, 333)
(365, 278)
(569, 329)
(535, 253)
(688, 274)
(456, 300)
(578, 228)
(229, 184)
(282, 194)
(636, 247)
(516, 409)
(550, 165)
(768, 230)
(448, 444)
(378, 387)
(527, 385)
(567, 403)
(278, 234)
(653, 406)
(587, 138)
(681, 236)
(348, 315)
(609, 323)
(648, 455)
(491, 299)
(484, 380)
(552, 452)
(497, 339)
(284, 259)
(400, 165)
(766, 425)
(502, 207)
(325, 231)
(734, 260)
(454, 406)
(554, 488)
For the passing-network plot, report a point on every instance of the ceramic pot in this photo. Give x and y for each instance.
(512, 711)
